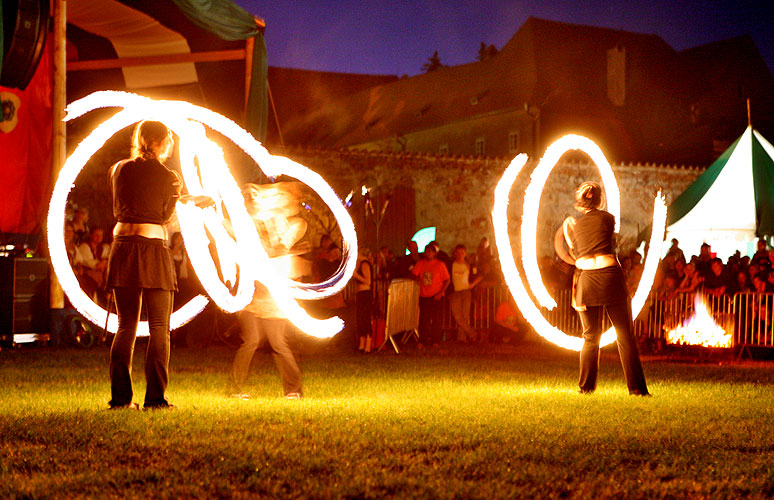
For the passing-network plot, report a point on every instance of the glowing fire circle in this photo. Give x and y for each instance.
(212, 178)
(529, 241)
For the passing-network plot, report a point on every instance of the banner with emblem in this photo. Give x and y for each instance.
(25, 151)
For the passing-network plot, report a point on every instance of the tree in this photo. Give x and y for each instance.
(433, 63)
(486, 51)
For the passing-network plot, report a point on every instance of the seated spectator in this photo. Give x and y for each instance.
(770, 282)
(81, 224)
(691, 281)
(715, 281)
(91, 259)
(506, 323)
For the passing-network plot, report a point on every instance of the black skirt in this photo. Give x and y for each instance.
(600, 287)
(136, 261)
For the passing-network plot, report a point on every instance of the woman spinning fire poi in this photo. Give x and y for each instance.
(273, 208)
(599, 286)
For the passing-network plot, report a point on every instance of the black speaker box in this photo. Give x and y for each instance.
(25, 27)
(24, 295)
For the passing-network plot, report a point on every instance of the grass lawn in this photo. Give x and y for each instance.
(449, 423)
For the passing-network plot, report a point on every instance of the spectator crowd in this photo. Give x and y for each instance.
(739, 274)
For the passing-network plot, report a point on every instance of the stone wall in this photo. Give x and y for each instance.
(456, 193)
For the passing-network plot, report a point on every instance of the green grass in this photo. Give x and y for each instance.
(449, 424)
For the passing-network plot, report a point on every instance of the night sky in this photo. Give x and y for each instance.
(397, 37)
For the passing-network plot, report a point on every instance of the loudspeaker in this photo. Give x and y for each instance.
(23, 295)
(25, 27)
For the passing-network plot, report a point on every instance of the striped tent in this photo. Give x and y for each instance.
(209, 52)
(730, 205)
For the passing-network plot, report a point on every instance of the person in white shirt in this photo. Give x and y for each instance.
(460, 298)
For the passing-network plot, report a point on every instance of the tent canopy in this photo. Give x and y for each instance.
(210, 52)
(731, 204)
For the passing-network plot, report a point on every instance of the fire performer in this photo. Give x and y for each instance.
(599, 286)
(273, 208)
(140, 266)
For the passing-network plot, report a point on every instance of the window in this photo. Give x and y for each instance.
(443, 149)
(480, 146)
(513, 142)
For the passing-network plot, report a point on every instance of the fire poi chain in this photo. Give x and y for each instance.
(529, 230)
(244, 251)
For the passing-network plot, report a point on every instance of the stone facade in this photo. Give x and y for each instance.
(455, 194)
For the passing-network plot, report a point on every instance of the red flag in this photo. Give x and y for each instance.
(25, 151)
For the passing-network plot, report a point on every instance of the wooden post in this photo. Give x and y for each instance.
(59, 139)
(58, 130)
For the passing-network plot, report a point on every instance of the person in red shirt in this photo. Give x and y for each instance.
(433, 279)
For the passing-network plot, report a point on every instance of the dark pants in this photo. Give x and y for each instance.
(620, 316)
(430, 320)
(158, 304)
(255, 331)
(364, 302)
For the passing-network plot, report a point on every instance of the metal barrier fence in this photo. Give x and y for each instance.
(749, 315)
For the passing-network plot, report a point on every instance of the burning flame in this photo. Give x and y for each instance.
(529, 244)
(243, 252)
(700, 329)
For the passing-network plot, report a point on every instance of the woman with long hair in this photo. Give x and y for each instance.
(140, 266)
(599, 287)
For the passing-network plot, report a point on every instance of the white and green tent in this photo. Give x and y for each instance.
(730, 205)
